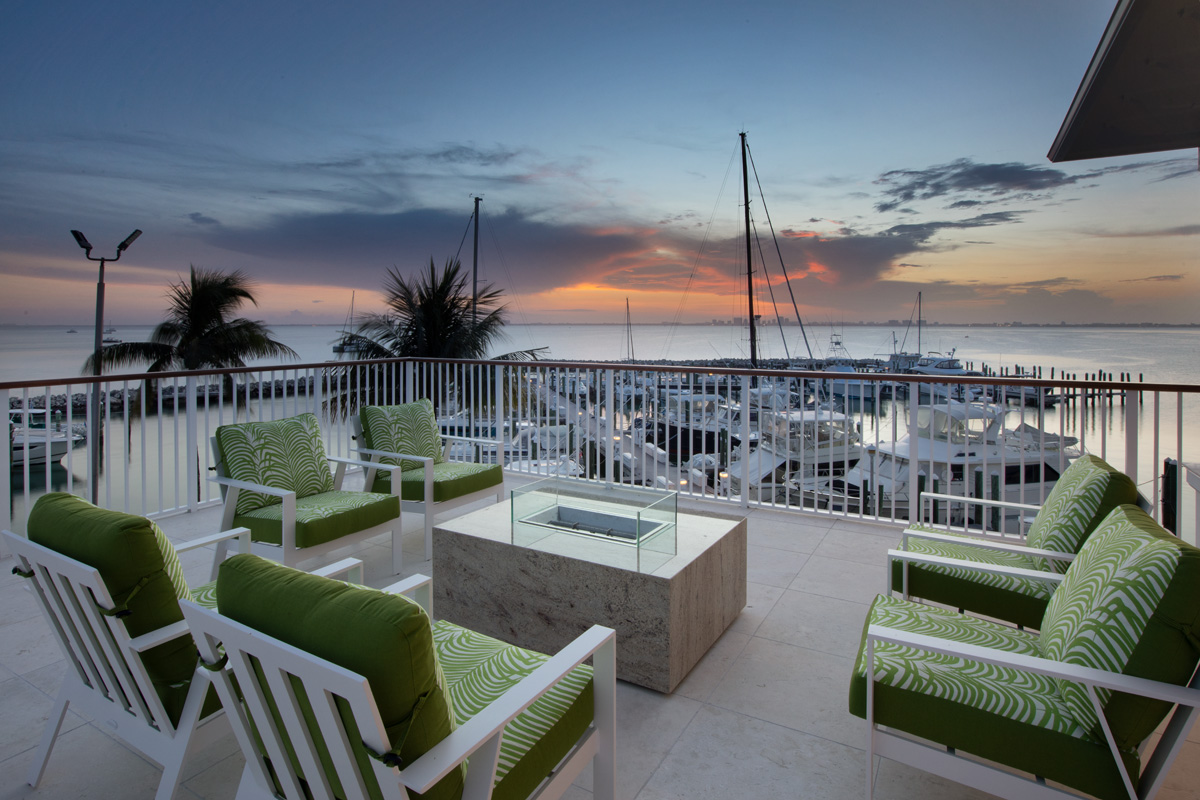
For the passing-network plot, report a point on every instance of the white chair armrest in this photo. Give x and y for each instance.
(261, 488)
(156, 637)
(991, 569)
(241, 534)
(342, 569)
(354, 462)
(391, 454)
(984, 544)
(420, 587)
(427, 770)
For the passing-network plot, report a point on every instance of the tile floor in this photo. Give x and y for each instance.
(763, 715)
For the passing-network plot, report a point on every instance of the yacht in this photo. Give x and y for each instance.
(958, 445)
(34, 442)
(794, 444)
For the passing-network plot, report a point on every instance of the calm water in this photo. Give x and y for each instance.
(1167, 356)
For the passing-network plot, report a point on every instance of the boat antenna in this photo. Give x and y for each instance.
(475, 266)
(629, 329)
(749, 256)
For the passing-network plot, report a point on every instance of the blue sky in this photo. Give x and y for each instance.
(900, 147)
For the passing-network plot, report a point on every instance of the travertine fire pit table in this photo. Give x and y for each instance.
(668, 608)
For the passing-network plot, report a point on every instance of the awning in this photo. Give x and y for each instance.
(1141, 92)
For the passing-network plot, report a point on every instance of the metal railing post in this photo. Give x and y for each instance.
(1131, 436)
(193, 450)
(610, 463)
(6, 479)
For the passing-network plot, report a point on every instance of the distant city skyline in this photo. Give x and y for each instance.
(900, 148)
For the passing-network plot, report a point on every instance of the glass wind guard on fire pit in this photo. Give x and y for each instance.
(622, 526)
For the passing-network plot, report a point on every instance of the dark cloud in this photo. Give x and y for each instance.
(1180, 230)
(1154, 278)
(1045, 283)
(974, 184)
(201, 219)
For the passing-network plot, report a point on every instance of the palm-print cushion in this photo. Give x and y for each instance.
(409, 428)
(1127, 604)
(478, 669)
(322, 517)
(1021, 601)
(284, 454)
(451, 480)
(1006, 715)
(1081, 498)
(171, 564)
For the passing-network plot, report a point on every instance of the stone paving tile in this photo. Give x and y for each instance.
(772, 566)
(845, 580)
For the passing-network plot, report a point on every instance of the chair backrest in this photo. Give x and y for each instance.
(1083, 496)
(103, 578)
(407, 428)
(284, 453)
(324, 672)
(1128, 604)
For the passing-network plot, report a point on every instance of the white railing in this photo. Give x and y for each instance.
(826, 443)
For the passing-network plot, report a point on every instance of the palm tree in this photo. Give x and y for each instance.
(198, 333)
(431, 315)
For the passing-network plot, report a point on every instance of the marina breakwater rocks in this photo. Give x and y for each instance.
(115, 400)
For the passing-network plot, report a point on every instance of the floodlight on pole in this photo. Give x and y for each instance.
(94, 433)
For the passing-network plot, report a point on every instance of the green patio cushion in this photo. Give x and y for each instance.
(124, 550)
(321, 517)
(384, 637)
(451, 480)
(409, 428)
(480, 669)
(285, 454)
(1081, 498)
(1021, 601)
(1127, 604)
(997, 713)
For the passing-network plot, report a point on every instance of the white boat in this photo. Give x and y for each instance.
(945, 364)
(957, 445)
(34, 442)
(795, 444)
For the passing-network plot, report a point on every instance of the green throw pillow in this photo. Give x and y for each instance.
(409, 428)
(285, 454)
(124, 550)
(386, 638)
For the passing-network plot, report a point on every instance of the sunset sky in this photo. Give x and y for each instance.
(901, 147)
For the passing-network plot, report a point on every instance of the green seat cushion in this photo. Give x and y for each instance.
(1127, 604)
(1021, 601)
(479, 669)
(1005, 715)
(123, 548)
(1081, 498)
(409, 428)
(321, 517)
(386, 638)
(284, 454)
(451, 480)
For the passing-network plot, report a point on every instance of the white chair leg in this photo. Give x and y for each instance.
(53, 725)
(428, 531)
(397, 547)
(221, 554)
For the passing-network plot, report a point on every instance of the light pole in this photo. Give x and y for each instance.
(94, 433)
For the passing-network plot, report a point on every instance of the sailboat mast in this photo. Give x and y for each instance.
(919, 350)
(749, 257)
(629, 329)
(475, 267)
